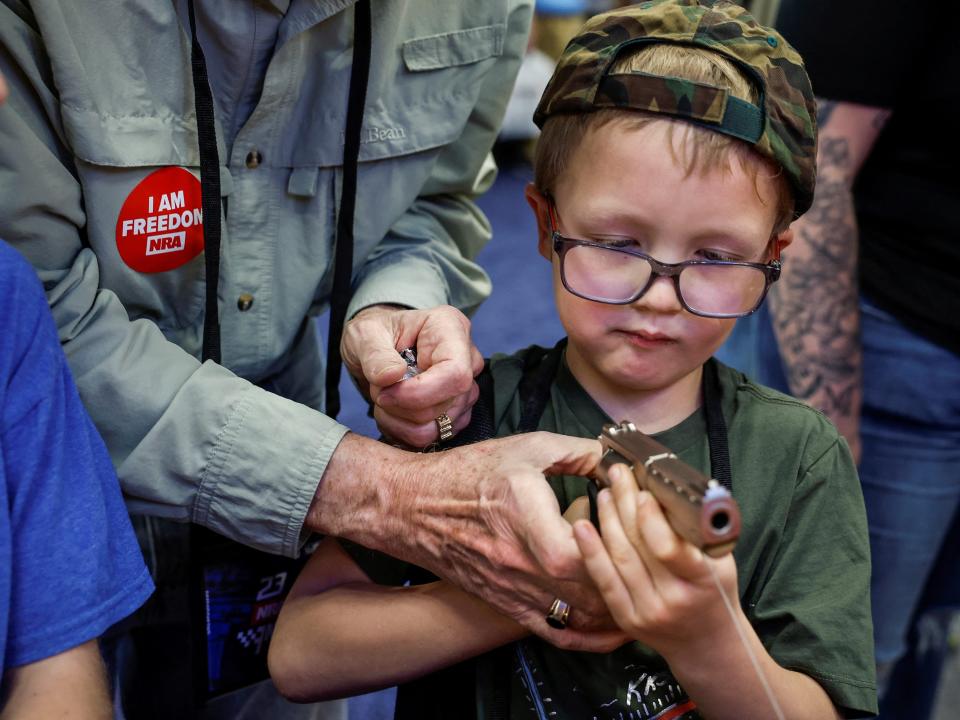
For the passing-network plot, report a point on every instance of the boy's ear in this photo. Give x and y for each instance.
(778, 243)
(541, 209)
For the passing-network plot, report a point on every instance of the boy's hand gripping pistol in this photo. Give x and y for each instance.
(698, 508)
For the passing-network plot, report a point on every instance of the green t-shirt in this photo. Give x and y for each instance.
(803, 560)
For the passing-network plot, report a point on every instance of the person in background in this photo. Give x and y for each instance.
(863, 325)
(555, 22)
(678, 145)
(203, 373)
(69, 562)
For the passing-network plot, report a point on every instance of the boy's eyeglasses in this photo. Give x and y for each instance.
(620, 276)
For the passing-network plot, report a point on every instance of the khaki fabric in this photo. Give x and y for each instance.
(101, 98)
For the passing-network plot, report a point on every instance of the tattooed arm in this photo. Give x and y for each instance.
(815, 308)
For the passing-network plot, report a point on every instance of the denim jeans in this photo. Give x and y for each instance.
(910, 472)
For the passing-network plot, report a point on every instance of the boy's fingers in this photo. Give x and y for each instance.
(601, 570)
(667, 555)
(623, 485)
(625, 557)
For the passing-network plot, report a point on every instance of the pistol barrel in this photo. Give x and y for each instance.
(698, 508)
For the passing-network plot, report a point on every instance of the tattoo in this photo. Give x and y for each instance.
(833, 153)
(880, 119)
(825, 109)
(816, 313)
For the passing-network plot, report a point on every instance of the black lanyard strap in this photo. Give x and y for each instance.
(716, 425)
(343, 253)
(539, 371)
(209, 190)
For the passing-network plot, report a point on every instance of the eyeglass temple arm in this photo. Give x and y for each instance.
(777, 244)
(552, 214)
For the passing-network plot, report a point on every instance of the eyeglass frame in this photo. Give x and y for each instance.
(562, 244)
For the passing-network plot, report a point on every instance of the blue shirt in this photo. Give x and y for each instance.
(69, 562)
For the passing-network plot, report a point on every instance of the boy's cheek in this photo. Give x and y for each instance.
(721, 332)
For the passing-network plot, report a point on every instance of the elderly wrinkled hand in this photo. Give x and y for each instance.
(482, 516)
(492, 525)
(408, 411)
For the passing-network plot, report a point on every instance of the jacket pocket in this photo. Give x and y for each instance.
(145, 225)
(426, 102)
(460, 47)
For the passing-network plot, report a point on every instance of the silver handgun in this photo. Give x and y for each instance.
(698, 508)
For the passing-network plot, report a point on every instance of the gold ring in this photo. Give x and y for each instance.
(558, 614)
(445, 426)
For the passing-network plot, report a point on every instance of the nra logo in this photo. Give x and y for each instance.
(171, 242)
(160, 225)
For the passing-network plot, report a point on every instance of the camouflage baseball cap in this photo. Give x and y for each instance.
(782, 126)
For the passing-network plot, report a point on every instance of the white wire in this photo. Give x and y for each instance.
(746, 645)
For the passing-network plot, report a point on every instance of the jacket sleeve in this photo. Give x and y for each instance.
(190, 442)
(427, 258)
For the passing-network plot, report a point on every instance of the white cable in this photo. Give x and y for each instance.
(746, 645)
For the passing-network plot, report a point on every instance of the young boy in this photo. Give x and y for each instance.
(663, 205)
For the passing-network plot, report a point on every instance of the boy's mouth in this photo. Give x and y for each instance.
(647, 337)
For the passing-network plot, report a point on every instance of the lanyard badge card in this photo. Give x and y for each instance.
(237, 592)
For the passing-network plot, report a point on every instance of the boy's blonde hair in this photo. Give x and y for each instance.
(700, 150)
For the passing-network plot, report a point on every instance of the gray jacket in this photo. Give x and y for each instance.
(102, 99)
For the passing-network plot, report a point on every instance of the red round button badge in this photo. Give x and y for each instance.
(160, 226)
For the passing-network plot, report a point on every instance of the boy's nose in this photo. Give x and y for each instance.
(660, 297)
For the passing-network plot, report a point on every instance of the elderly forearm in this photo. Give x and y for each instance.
(355, 495)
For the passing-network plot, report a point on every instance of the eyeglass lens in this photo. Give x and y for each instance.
(607, 275)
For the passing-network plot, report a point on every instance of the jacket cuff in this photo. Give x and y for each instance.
(410, 281)
(263, 471)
